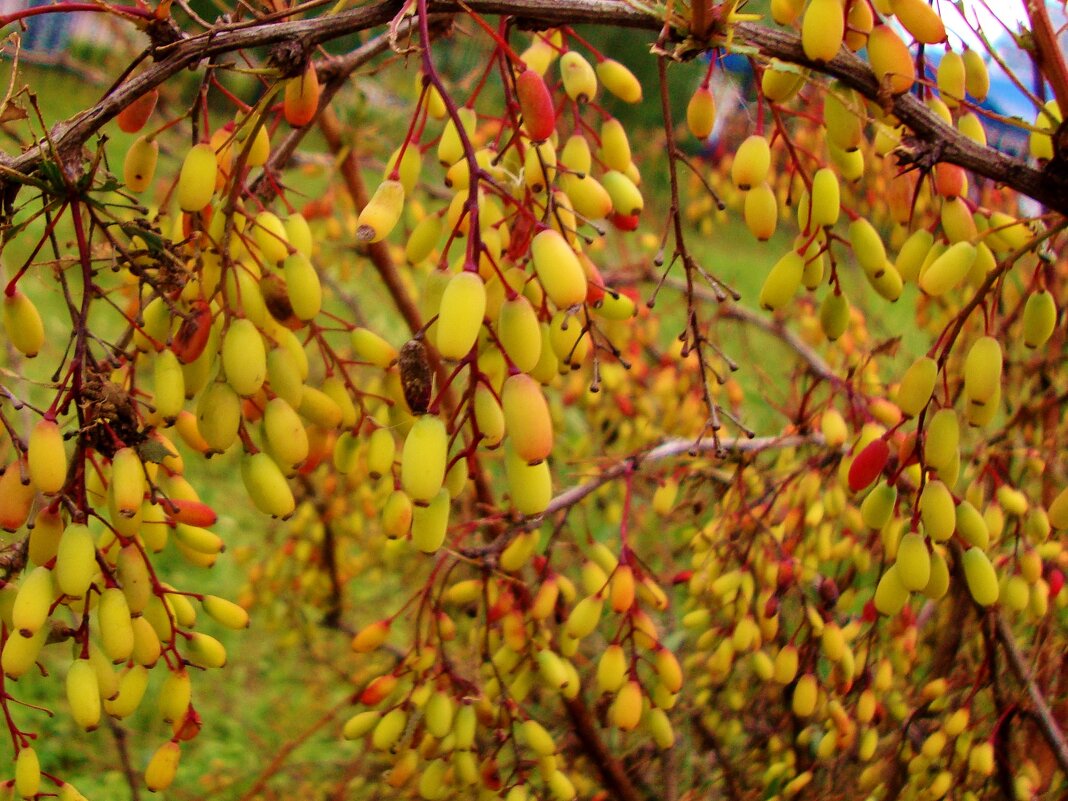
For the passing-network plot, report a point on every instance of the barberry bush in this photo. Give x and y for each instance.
(624, 465)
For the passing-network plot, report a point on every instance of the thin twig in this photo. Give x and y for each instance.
(665, 450)
(775, 327)
(133, 778)
(280, 757)
(669, 774)
(681, 252)
(770, 325)
(671, 449)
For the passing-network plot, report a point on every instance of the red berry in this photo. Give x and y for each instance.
(868, 465)
(869, 613)
(302, 98)
(681, 577)
(624, 222)
(132, 118)
(595, 283)
(189, 727)
(192, 334)
(950, 179)
(192, 513)
(521, 234)
(536, 105)
(786, 574)
(378, 689)
(1056, 582)
(907, 452)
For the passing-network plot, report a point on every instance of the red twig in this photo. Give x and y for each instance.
(1048, 52)
(67, 8)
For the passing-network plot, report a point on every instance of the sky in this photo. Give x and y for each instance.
(993, 16)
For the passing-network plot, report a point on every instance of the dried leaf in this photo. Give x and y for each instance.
(12, 112)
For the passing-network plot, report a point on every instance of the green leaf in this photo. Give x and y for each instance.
(152, 450)
(153, 241)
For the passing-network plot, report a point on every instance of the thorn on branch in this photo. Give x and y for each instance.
(163, 33)
(289, 58)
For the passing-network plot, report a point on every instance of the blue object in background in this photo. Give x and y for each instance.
(45, 33)
(1004, 99)
(733, 86)
(737, 64)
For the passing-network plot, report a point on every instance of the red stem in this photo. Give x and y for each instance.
(596, 53)
(496, 37)
(66, 8)
(9, 290)
(708, 73)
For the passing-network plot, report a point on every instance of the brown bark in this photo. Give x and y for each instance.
(1046, 720)
(935, 140)
(612, 774)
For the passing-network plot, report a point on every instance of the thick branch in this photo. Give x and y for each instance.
(949, 144)
(711, 742)
(1000, 628)
(1046, 719)
(133, 778)
(278, 760)
(612, 773)
(1048, 187)
(187, 53)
